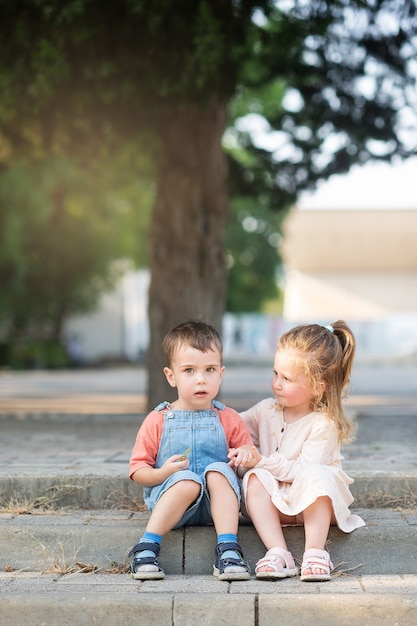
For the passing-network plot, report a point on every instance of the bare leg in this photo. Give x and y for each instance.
(172, 505)
(265, 516)
(224, 507)
(223, 503)
(317, 519)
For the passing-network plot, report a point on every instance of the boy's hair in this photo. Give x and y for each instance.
(196, 334)
(326, 354)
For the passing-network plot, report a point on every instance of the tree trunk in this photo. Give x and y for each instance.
(187, 257)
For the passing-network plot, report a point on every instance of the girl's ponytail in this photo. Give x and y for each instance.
(347, 340)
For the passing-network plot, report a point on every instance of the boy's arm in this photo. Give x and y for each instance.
(236, 431)
(150, 476)
(145, 452)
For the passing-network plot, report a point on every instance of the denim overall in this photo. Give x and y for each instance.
(203, 433)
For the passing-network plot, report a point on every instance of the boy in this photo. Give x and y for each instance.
(180, 456)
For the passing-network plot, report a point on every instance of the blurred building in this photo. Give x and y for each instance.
(118, 329)
(356, 264)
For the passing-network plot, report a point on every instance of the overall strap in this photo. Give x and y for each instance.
(162, 406)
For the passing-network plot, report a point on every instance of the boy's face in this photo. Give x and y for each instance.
(197, 376)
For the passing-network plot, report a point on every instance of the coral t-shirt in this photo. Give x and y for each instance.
(149, 436)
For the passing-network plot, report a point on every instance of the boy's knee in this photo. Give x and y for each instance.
(214, 477)
(188, 486)
(217, 481)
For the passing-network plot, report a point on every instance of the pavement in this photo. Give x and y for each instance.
(69, 514)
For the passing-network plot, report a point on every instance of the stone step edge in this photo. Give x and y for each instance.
(371, 489)
(101, 542)
(187, 609)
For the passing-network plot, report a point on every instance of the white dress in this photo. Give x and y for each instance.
(300, 462)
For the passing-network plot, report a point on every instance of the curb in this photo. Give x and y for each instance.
(94, 489)
(208, 609)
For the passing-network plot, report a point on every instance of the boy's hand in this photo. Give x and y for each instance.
(175, 463)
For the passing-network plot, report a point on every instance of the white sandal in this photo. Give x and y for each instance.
(273, 559)
(315, 558)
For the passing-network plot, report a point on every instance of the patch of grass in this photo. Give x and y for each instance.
(86, 568)
(406, 501)
(117, 568)
(28, 506)
(9, 568)
(120, 500)
(337, 572)
(59, 563)
(48, 501)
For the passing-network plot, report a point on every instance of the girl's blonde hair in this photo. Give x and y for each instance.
(326, 354)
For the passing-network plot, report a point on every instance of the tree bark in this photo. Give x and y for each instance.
(187, 256)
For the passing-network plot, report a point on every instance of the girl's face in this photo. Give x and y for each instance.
(197, 376)
(293, 390)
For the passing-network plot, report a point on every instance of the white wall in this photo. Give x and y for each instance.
(120, 329)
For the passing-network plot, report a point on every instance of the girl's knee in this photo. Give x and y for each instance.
(254, 484)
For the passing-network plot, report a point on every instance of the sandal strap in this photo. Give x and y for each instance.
(316, 558)
(228, 545)
(273, 558)
(139, 560)
(222, 563)
(145, 545)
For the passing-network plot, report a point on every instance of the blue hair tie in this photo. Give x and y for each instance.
(330, 329)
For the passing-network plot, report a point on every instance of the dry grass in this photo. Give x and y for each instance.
(120, 500)
(44, 504)
(337, 572)
(406, 501)
(52, 499)
(117, 568)
(59, 563)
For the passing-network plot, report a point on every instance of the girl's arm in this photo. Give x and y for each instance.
(320, 447)
(252, 417)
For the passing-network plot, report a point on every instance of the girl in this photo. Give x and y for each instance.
(296, 477)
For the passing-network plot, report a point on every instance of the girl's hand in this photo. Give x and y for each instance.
(241, 457)
(256, 457)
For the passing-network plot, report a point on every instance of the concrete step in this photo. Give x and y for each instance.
(108, 486)
(70, 567)
(206, 602)
(65, 542)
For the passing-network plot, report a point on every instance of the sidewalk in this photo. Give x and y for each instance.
(66, 437)
(57, 425)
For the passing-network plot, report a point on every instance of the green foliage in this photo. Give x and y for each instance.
(252, 239)
(61, 228)
(87, 86)
(26, 353)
